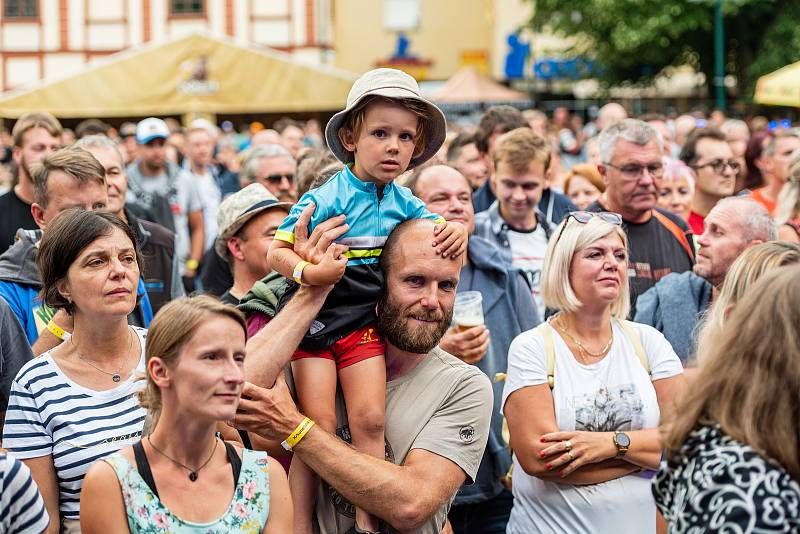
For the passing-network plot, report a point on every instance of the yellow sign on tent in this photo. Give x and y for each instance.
(780, 88)
(196, 74)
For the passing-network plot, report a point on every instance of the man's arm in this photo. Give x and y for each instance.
(272, 347)
(405, 496)
(47, 340)
(195, 219)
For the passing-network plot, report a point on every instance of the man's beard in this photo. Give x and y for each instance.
(393, 324)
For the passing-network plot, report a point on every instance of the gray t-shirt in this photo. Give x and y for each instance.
(185, 201)
(443, 406)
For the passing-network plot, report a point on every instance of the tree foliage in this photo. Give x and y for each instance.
(634, 40)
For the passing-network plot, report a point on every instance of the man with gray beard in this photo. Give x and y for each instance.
(438, 408)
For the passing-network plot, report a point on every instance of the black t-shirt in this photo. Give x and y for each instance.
(215, 273)
(654, 251)
(14, 214)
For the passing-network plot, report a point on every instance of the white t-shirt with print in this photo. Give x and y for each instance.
(527, 255)
(615, 393)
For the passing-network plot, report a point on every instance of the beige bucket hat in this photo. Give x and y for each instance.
(389, 83)
(236, 210)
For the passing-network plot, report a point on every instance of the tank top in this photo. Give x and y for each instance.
(247, 512)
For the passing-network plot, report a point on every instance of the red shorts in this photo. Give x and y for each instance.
(363, 344)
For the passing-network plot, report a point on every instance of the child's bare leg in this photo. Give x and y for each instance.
(315, 382)
(364, 389)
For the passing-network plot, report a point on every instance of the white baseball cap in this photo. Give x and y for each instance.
(151, 128)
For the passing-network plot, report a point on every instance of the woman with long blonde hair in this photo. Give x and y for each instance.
(748, 268)
(733, 447)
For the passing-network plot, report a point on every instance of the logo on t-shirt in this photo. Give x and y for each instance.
(467, 434)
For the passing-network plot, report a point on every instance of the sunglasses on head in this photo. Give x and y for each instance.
(275, 179)
(584, 217)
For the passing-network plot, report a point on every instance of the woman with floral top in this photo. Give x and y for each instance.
(732, 450)
(181, 478)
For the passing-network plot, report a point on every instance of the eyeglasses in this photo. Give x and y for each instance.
(276, 179)
(584, 217)
(719, 166)
(634, 171)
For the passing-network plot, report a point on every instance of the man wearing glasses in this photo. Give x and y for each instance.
(659, 242)
(709, 155)
(273, 167)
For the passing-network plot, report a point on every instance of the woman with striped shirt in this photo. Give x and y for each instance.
(77, 402)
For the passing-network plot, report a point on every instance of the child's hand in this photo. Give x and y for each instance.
(328, 271)
(450, 239)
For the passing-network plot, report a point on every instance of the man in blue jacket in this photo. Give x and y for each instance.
(508, 310)
(68, 178)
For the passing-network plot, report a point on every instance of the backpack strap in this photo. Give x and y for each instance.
(550, 352)
(676, 231)
(636, 341)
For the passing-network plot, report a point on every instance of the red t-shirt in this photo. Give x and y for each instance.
(696, 223)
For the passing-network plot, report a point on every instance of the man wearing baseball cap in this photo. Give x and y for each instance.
(168, 194)
(248, 221)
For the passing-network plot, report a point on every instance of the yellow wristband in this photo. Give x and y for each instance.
(192, 264)
(57, 331)
(298, 434)
(297, 274)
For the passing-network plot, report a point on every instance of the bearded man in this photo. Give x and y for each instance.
(438, 408)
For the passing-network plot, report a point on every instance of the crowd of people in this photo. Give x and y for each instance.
(205, 330)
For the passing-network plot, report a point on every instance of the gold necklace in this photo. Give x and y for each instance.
(580, 345)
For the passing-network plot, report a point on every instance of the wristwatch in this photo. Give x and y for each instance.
(622, 442)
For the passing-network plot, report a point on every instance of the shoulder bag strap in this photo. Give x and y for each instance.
(634, 340)
(676, 231)
(550, 352)
(143, 466)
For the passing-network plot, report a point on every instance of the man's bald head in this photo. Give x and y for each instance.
(753, 218)
(414, 240)
(432, 174)
(610, 114)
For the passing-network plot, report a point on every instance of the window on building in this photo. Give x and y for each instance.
(20, 9)
(188, 7)
(401, 15)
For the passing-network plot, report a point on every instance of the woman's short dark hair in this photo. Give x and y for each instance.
(64, 239)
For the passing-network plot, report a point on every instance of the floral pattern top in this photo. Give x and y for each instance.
(721, 485)
(247, 512)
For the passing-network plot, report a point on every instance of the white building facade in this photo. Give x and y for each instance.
(43, 39)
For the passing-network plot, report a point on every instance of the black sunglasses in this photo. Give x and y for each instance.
(584, 217)
(275, 179)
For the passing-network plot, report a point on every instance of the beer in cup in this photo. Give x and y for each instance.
(468, 310)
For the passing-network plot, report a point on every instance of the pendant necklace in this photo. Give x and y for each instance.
(192, 472)
(115, 376)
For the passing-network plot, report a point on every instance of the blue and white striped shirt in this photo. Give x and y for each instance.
(22, 508)
(49, 414)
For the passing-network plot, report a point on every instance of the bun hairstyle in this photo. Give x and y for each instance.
(171, 329)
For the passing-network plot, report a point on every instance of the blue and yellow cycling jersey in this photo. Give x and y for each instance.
(351, 303)
(371, 219)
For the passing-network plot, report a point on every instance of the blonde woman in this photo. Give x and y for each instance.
(733, 448)
(182, 477)
(751, 265)
(585, 392)
(787, 215)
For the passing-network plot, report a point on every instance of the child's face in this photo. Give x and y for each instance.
(385, 144)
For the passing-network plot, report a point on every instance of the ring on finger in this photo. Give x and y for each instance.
(568, 445)
(571, 456)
